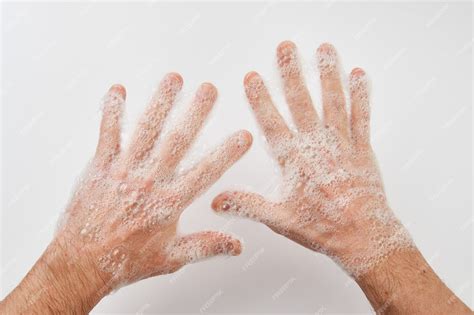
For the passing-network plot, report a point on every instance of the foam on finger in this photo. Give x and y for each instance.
(125, 219)
(332, 193)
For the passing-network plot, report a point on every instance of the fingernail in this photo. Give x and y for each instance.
(207, 91)
(250, 77)
(118, 89)
(220, 203)
(174, 76)
(326, 48)
(245, 139)
(234, 248)
(286, 52)
(357, 72)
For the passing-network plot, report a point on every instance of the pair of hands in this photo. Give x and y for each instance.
(127, 207)
(121, 224)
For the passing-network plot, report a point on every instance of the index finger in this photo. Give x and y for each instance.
(212, 167)
(268, 117)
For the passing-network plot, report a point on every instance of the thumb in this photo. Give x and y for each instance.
(246, 204)
(201, 245)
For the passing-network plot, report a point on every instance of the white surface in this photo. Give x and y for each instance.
(59, 59)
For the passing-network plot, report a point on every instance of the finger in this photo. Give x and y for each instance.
(334, 104)
(248, 205)
(268, 117)
(296, 93)
(360, 108)
(177, 143)
(212, 167)
(152, 121)
(109, 138)
(201, 245)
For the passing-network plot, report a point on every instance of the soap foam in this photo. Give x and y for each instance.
(332, 196)
(127, 212)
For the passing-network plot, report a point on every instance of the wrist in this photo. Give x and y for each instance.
(63, 280)
(404, 283)
(386, 283)
(367, 237)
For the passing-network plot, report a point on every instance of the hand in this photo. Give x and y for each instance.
(126, 209)
(333, 199)
(121, 224)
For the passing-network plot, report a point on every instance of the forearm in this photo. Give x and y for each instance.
(405, 284)
(58, 283)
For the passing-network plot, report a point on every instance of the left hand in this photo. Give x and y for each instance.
(121, 224)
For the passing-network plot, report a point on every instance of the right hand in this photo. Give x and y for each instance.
(333, 199)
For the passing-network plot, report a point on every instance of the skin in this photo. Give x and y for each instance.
(332, 198)
(121, 224)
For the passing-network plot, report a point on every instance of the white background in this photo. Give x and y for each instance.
(60, 58)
